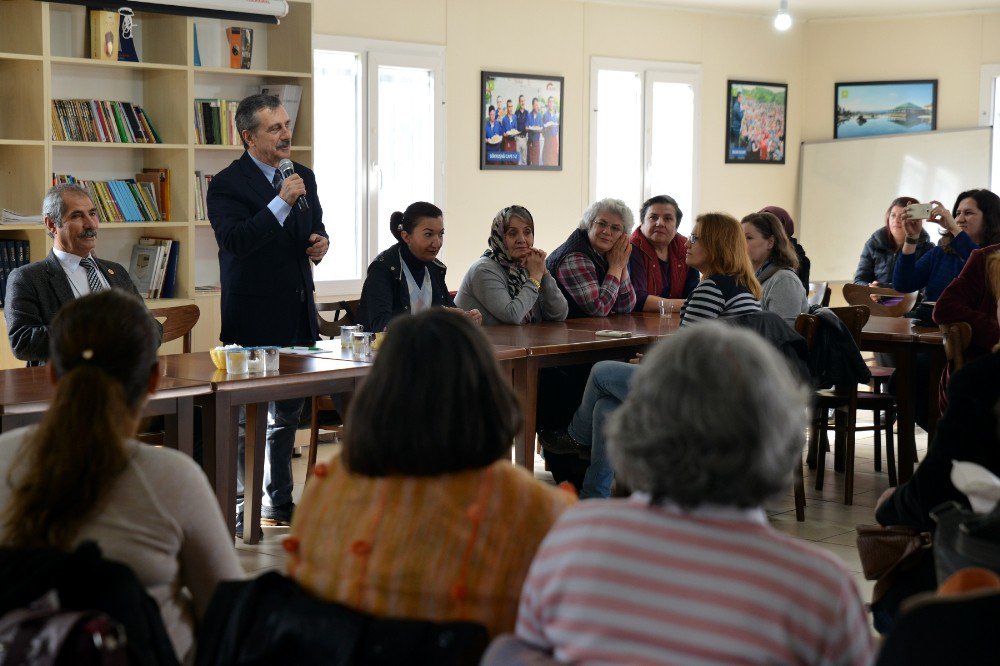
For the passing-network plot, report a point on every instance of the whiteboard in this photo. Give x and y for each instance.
(846, 185)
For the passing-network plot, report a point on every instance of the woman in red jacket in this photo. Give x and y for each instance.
(656, 266)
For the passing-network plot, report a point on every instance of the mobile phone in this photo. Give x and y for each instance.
(607, 333)
(919, 211)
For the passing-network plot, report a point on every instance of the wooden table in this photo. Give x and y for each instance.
(25, 394)
(897, 336)
(298, 377)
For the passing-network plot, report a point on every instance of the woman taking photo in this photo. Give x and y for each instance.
(774, 264)
(879, 256)
(591, 267)
(80, 474)
(408, 278)
(413, 519)
(717, 249)
(973, 222)
(656, 266)
(509, 284)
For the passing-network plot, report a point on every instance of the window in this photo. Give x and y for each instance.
(989, 115)
(378, 143)
(643, 132)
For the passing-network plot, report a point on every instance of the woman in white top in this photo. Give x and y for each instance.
(79, 475)
(775, 265)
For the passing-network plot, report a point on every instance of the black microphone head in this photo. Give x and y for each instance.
(286, 167)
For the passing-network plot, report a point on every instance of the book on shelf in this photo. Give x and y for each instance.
(215, 122)
(201, 183)
(240, 47)
(290, 95)
(104, 34)
(103, 121)
(11, 217)
(153, 267)
(119, 200)
(13, 254)
(161, 177)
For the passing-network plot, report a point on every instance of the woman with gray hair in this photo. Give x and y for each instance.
(687, 569)
(509, 284)
(591, 267)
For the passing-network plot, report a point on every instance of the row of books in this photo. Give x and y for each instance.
(153, 267)
(215, 122)
(121, 200)
(201, 182)
(101, 120)
(13, 254)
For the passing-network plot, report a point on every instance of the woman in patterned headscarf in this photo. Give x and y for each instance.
(509, 284)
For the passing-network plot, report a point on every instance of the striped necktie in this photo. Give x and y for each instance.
(93, 279)
(276, 181)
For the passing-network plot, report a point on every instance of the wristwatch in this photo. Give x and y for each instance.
(912, 240)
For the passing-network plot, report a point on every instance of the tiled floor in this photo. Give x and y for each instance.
(829, 522)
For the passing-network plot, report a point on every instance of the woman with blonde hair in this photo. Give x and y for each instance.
(717, 249)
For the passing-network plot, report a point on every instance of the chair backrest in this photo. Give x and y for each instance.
(957, 337)
(807, 325)
(819, 294)
(880, 301)
(178, 322)
(330, 328)
(854, 317)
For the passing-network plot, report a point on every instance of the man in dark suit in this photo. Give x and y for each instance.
(36, 292)
(267, 243)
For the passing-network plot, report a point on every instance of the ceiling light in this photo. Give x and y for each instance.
(783, 20)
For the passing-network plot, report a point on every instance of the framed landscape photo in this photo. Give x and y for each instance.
(755, 122)
(520, 122)
(870, 108)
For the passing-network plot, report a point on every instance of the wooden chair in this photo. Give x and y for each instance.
(178, 322)
(344, 314)
(846, 401)
(956, 340)
(806, 325)
(856, 294)
(819, 294)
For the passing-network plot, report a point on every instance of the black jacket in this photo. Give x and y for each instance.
(835, 359)
(804, 263)
(878, 259)
(385, 293)
(774, 329)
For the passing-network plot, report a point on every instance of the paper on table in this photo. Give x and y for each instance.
(305, 351)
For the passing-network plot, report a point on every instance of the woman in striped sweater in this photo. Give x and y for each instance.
(717, 249)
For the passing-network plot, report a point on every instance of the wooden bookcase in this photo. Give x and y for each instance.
(44, 51)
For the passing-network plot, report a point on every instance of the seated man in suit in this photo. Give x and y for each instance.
(36, 292)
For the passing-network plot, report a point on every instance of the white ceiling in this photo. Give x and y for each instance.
(828, 9)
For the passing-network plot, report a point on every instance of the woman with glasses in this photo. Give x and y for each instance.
(509, 284)
(656, 266)
(591, 267)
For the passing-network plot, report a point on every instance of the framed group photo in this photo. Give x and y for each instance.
(756, 113)
(871, 108)
(520, 122)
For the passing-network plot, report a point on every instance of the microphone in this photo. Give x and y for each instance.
(286, 168)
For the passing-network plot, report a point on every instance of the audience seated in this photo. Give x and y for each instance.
(717, 249)
(967, 431)
(80, 475)
(972, 222)
(509, 284)
(591, 267)
(879, 256)
(774, 264)
(422, 515)
(972, 298)
(408, 278)
(656, 266)
(789, 224)
(687, 570)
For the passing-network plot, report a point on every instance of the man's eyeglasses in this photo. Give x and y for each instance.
(615, 228)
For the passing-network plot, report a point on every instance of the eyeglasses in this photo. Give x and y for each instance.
(693, 238)
(615, 228)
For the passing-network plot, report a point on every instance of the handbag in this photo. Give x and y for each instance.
(885, 551)
(965, 539)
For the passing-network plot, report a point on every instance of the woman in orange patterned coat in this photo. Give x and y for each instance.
(422, 516)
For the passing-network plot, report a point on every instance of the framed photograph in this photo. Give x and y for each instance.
(520, 122)
(870, 108)
(755, 122)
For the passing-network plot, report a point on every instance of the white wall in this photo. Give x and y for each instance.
(560, 37)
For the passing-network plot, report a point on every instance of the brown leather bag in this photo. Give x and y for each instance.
(884, 551)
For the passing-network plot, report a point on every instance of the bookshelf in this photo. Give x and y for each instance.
(44, 49)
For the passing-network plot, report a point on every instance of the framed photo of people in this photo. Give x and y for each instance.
(755, 122)
(520, 122)
(870, 108)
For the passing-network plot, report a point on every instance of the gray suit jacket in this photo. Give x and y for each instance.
(36, 292)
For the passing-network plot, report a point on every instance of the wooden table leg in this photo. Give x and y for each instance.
(938, 361)
(526, 386)
(255, 445)
(905, 416)
(220, 427)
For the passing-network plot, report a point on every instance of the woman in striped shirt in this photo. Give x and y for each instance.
(718, 250)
